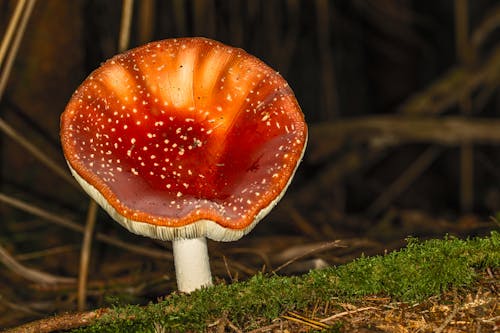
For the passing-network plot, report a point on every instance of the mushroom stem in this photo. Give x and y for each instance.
(192, 266)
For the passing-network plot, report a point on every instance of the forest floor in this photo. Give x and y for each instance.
(453, 298)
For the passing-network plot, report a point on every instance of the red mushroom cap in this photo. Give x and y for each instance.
(184, 138)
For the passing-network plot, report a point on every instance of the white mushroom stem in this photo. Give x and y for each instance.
(192, 266)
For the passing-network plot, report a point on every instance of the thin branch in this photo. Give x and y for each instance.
(180, 20)
(301, 250)
(333, 172)
(4, 76)
(268, 328)
(448, 90)
(448, 319)
(60, 322)
(69, 224)
(486, 27)
(329, 91)
(322, 247)
(346, 313)
(146, 22)
(404, 180)
(464, 51)
(465, 55)
(29, 273)
(47, 252)
(295, 317)
(388, 131)
(85, 254)
(9, 33)
(126, 22)
(305, 226)
(288, 42)
(37, 153)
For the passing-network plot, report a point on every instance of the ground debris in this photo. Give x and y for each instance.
(473, 310)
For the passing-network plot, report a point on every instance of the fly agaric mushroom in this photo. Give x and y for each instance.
(184, 139)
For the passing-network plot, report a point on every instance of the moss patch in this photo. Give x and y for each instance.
(418, 271)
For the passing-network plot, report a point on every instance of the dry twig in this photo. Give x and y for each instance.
(323, 246)
(18, 28)
(346, 313)
(486, 27)
(124, 38)
(36, 152)
(295, 317)
(388, 131)
(448, 320)
(59, 323)
(11, 28)
(67, 223)
(29, 273)
(85, 254)
(401, 183)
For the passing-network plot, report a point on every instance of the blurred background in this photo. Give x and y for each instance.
(402, 102)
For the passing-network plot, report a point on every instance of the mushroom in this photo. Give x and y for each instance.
(183, 140)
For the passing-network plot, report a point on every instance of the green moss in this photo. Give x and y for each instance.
(420, 270)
